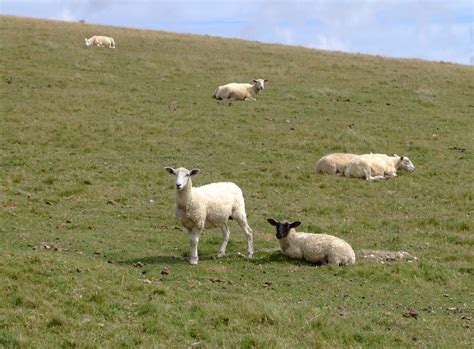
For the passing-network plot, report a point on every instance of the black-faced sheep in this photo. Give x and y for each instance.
(314, 248)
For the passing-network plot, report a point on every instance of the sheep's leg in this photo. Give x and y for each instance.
(248, 234)
(225, 236)
(371, 178)
(194, 239)
(374, 178)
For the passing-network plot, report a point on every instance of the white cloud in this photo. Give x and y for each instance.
(285, 35)
(66, 15)
(80, 9)
(324, 42)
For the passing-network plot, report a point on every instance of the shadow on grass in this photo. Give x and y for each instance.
(259, 258)
(171, 259)
(262, 257)
(275, 257)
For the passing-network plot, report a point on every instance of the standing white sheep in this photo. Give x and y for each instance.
(101, 41)
(335, 163)
(239, 91)
(314, 248)
(377, 166)
(209, 206)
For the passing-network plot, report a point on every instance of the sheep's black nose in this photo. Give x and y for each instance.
(178, 186)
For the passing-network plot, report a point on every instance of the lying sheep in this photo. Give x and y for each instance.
(334, 164)
(314, 248)
(237, 91)
(373, 167)
(101, 41)
(209, 206)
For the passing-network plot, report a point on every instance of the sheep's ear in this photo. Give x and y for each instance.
(194, 171)
(396, 155)
(402, 157)
(294, 224)
(272, 222)
(170, 170)
(254, 80)
(265, 80)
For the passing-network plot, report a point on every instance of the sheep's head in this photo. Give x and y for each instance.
(88, 42)
(282, 228)
(406, 164)
(182, 176)
(260, 83)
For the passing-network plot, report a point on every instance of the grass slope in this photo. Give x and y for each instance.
(92, 256)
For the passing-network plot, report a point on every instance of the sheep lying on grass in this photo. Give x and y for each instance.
(314, 248)
(238, 91)
(101, 41)
(373, 167)
(335, 163)
(209, 206)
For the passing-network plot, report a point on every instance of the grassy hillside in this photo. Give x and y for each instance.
(92, 256)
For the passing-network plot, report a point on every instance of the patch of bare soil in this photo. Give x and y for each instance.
(386, 256)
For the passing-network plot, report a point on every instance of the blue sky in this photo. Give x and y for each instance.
(440, 30)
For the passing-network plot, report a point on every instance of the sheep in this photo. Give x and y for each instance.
(101, 41)
(335, 163)
(209, 206)
(238, 91)
(314, 248)
(373, 167)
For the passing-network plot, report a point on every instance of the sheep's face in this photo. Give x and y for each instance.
(406, 164)
(283, 228)
(182, 176)
(260, 83)
(88, 42)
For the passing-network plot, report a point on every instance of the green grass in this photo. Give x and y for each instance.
(85, 133)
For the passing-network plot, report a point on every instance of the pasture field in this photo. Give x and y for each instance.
(90, 252)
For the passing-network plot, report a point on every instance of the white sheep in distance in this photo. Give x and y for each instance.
(209, 206)
(373, 167)
(334, 164)
(101, 41)
(240, 91)
(314, 248)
